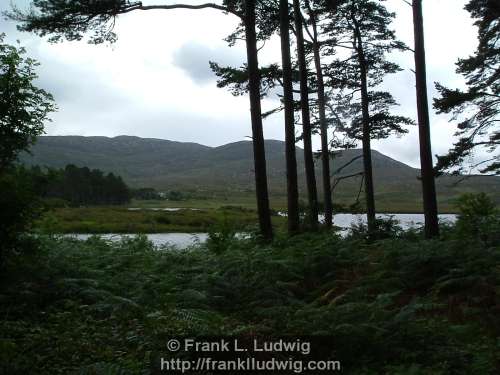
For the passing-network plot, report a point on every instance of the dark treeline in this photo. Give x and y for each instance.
(146, 194)
(82, 186)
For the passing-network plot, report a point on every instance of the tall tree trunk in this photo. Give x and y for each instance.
(428, 183)
(257, 131)
(291, 159)
(325, 154)
(306, 120)
(367, 152)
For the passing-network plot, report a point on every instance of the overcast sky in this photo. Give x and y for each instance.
(156, 82)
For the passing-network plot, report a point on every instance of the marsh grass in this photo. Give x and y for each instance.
(122, 220)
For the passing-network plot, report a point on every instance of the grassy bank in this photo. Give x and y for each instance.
(400, 305)
(122, 220)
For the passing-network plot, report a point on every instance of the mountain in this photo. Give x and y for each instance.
(228, 169)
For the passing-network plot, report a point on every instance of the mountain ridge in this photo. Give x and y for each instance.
(172, 165)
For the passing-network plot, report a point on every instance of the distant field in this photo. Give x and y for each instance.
(390, 203)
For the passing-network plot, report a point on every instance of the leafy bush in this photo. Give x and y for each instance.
(23, 110)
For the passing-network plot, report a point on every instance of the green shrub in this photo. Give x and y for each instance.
(479, 219)
(384, 228)
(221, 235)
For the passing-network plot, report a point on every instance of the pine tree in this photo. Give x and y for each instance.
(291, 160)
(428, 183)
(256, 113)
(478, 106)
(312, 193)
(360, 28)
(323, 122)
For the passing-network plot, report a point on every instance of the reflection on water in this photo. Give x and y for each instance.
(184, 240)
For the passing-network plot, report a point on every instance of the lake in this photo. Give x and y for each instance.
(184, 240)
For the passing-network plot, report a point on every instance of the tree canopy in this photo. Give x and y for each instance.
(72, 20)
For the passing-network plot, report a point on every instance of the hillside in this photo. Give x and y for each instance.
(228, 169)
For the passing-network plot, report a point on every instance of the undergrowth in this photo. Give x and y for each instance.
(399, 305)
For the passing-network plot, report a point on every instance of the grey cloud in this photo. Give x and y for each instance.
(78, 86)
(9, 28)
(193, 58)
(134, 119)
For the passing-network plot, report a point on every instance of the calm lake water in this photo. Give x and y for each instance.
(184, 240)
(179, 240)
(169, 209)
